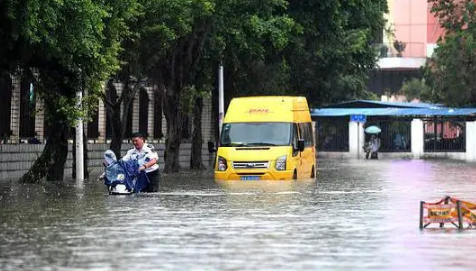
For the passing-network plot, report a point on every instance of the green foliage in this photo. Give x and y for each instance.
(450, 72)
(318, 49)
(77, 40)
(415, 89)
(331, 59)
(249, 38)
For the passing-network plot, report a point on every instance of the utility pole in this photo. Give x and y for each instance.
(221, 102)
(79, 143)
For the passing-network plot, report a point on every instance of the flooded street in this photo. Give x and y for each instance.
(356, 215)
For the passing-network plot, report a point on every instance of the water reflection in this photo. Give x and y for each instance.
(290, 186)
(356, 215)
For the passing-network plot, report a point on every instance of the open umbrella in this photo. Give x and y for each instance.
(372, 130)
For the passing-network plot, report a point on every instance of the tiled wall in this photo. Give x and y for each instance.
(16, 159)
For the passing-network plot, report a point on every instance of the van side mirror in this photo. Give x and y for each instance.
(301, 145)
(211, 147)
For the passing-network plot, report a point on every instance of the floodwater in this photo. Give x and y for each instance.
(356, 215)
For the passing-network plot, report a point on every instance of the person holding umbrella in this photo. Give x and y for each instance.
(374, 143)
(374, 146)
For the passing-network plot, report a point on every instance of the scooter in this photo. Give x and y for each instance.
(122, 177)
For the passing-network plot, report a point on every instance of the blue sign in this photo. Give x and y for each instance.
(358, 118)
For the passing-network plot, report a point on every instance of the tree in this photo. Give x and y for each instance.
(251, 44)
(184, 41)
(415, 89)
(450, 72)
(249, 39)
(174, 34)
(331, 59)
(66, 46)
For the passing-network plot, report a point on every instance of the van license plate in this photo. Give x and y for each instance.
(249, 178)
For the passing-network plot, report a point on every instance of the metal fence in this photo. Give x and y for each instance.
(444, 135)
(332, 134)
(395, 135)
(440, 135)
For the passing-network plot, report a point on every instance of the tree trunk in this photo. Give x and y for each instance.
(174, 130)
(119, 125)
(50, 165)
(117, 132)
(86, 157)
(197, 141)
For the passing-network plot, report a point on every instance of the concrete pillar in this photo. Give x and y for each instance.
(15, 110)
(101, 122)
(102, 117)
(150, 112)
(356, 139)
(164, 125)
(119, 87)
(417, 140)
(206, 120)
(471, 141)
(39, 119)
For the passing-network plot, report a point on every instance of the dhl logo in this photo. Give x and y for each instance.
(258, 111)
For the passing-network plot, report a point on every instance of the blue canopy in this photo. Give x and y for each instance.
(422, 112)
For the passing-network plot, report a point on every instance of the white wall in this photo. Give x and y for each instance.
(417, 138)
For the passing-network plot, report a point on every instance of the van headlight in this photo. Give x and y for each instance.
(221, 165)
(281, 163)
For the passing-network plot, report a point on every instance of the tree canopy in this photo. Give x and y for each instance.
(331, 58)
(65, 47)
(320, 49)
(450, 72)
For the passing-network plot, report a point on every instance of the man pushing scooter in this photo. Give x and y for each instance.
(136, 172)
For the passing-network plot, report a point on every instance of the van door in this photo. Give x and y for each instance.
(301, 163)
(308, 155)
(295, 161)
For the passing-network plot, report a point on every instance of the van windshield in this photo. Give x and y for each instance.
(256, 134)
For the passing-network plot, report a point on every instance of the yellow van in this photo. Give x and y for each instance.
(266, 138)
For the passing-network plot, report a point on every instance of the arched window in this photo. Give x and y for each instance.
(158, 114)
(111, 95)
(27, 108)
(128, 133)
(93, 126)
(5, 105)
(143, 110)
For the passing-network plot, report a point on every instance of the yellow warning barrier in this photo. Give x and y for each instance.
(448, 210)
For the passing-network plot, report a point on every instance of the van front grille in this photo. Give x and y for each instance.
(250, 164)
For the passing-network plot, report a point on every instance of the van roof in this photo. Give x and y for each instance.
(268, 108)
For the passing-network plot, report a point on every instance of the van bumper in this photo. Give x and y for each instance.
(273, 175)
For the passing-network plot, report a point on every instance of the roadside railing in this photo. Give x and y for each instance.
(395, 135)
(444, 136)
(332, 134)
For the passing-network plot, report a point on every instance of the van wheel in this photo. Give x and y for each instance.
(295, 175)
(313, 172)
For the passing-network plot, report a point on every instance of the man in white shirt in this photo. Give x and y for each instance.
(147, 159)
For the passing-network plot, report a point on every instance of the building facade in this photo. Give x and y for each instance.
(409, 38)
(22, 116)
